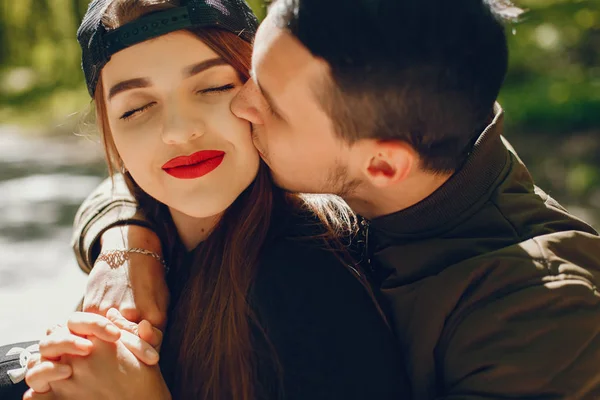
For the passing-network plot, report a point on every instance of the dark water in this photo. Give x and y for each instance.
(42, 182)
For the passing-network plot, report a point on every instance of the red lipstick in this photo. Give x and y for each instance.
(195, 165)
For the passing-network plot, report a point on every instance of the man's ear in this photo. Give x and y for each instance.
(387, 162)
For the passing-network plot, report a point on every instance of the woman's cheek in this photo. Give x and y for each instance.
(235, 130)
(137, 149)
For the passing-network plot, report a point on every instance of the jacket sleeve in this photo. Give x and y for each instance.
(538, 339)
(109, 205)
(328, 337)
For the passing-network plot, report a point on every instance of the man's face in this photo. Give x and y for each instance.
(292, 132)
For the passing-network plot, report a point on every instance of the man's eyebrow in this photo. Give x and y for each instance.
(202, 66)
(129, 84)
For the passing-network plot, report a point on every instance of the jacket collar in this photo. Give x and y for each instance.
(461, 193)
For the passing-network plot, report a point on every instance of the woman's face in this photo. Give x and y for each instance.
(167, 102)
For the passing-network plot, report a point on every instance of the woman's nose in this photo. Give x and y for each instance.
(249, 104)
(180, 127)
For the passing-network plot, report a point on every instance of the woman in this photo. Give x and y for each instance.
(262, 305)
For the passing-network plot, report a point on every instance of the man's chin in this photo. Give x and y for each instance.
(292, 186)
(281, 183)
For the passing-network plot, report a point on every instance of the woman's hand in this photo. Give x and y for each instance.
(110, 371)
(145, 330)
(74, 340)
(138, 287)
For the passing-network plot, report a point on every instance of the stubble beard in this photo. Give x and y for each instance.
(339, 182)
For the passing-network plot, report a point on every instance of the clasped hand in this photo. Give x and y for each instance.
(95, 357)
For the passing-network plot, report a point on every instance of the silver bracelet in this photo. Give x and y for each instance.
(116, 258)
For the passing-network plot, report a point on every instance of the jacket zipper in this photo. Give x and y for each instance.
(366, 255)
(365, 224)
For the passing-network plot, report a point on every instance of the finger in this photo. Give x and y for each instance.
(58, 344)
(141, 349)
(120, 321)
(130, 313)
(40, 376)
(156, 317)
(144, 329)
(150, 334)
(87, 324)
(30, 394)
(33, 360)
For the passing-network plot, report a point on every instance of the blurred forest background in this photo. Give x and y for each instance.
(551, 98)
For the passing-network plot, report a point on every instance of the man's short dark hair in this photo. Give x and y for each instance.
(426, 72)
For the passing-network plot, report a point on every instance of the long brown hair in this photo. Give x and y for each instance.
(211, 324)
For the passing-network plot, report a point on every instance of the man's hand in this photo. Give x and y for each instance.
(137, 288)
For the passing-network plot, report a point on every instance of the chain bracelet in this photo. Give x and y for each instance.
(116, 258)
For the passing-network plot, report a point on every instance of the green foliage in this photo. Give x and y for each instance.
(40, 77)
(553, 84)
(551, 94)
(259, 7)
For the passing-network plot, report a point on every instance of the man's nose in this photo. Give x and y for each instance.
(249, 104)
(180, 128)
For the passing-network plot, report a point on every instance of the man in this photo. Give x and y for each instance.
(490, 284)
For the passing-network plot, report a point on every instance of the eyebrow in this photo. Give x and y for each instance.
(203, 66)
(188, 72)
(129, 84)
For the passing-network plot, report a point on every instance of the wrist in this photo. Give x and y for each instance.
(130, 236)
(116, 258)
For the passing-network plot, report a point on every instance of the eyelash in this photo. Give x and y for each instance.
(129, 114)
(219, 89)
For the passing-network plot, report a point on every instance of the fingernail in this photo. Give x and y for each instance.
(151, 354)
(113, 330)
(113, 313)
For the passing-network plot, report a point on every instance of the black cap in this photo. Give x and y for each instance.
(98, 44)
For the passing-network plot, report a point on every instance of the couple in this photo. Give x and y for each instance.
(488, 284)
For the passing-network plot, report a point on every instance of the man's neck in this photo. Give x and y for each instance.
(372, 202)
(486, 160)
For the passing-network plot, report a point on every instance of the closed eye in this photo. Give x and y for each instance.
(129, 114)
(219, 89)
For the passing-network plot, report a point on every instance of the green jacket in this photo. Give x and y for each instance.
(492, 286)
(489, 283)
